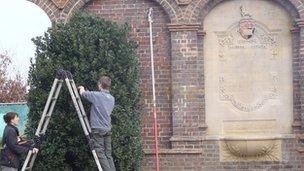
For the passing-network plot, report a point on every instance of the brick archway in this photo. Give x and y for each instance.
(295, 10)
(48, 7)
(59, 10)
(202, 8)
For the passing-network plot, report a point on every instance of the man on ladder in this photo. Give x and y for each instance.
(100, 120)
(62, 76)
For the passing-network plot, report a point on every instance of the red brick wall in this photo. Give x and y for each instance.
(179, 64)
(208, 160)
(135, 13)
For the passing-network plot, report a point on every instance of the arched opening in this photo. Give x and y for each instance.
(132, 13)
(20, 22)
(248, 66)
(293, 11)
(248, 76)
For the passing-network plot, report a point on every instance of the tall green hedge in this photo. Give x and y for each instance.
(89, 47)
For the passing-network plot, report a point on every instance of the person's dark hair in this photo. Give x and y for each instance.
(9, 116)
(105, 82)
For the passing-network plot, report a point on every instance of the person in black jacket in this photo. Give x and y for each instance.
(13, 145)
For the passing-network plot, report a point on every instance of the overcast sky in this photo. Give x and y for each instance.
(20, 21)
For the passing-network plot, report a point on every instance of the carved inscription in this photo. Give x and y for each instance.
(248, 57)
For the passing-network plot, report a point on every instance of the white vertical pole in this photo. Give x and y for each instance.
(153, 90)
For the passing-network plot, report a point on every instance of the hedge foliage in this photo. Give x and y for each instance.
(89, 47)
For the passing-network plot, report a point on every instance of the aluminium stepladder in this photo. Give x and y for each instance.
(62, 76)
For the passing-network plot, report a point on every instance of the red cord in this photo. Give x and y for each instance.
(156, 139)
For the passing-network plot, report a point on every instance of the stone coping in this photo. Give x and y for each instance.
(215, 138)
(183, 26)
(16, 103)
(174, 151)
(232, 137)
(251, 137)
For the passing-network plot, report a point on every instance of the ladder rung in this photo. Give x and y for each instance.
(27, 168)
(54, 98)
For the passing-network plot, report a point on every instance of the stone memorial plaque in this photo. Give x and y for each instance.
(248, 78)
(248, 69)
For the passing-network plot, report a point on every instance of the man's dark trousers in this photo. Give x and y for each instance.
(102, 145)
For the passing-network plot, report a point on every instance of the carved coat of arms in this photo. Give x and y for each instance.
(246, 25)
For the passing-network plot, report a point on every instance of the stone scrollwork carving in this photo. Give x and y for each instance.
(250, 150)
(247, 107)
